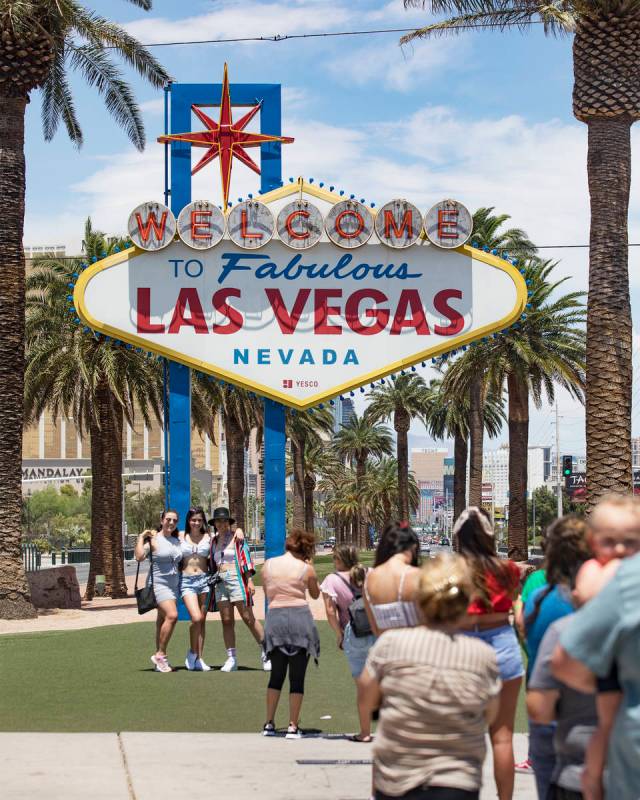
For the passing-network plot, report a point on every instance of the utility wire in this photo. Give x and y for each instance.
(283, 37)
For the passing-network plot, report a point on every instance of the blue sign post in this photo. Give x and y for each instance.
(178, 455)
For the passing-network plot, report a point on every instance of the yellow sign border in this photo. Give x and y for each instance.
(273, 394)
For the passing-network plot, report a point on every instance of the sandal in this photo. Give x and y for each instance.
(360, 739)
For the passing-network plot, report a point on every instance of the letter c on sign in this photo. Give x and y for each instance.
(289, 223)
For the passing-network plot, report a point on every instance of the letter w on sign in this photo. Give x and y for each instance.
(158, 227)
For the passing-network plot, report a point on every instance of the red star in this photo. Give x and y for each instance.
(225, 139)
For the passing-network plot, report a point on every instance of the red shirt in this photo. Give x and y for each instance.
(500, 589)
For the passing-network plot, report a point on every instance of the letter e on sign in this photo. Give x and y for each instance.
(399, 224)
(151, 226)
(201, 225)
(250, 224)
(349, 224)
(299, 225)
(448, 224)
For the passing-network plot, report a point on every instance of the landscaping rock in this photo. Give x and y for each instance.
(55, 588)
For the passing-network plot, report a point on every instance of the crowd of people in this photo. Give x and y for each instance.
(436, 650)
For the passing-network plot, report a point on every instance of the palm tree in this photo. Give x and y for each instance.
(605, 97)
(449, 416)
(356, 441)
(489, 234)
(402, 398)
(546, 348)
(318, 460)
(241, 412)
(345, 503)
(380, 491)
(302, 428)
(94, 381)
(41, 39)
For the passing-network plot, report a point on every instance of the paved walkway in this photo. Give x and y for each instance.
(105, 611)
(180, 766)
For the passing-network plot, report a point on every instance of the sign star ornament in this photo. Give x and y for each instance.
(226, 139)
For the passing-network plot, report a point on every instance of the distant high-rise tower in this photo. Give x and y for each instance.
(348, 410)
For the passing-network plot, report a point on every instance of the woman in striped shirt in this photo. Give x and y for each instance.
(437, 690)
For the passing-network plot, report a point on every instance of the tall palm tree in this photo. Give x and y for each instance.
(345, 503)
(318, 460)
(41, 40)
(449, 416)
(303, 428)
(546, 348)
(400, 399)
(241, 412)
(488, 233)
(97, 383)
(380, 491)
(606, 49)
(357, 441)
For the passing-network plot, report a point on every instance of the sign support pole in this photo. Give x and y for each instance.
(183, 96)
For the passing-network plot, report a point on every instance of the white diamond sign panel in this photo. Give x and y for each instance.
(300, 327)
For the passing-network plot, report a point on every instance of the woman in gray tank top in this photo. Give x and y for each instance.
(167, 555)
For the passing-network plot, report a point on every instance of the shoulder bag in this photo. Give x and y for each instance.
(145, 597)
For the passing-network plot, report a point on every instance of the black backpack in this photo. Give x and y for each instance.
(358, 618)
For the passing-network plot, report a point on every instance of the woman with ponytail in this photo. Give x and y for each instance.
(340, 590)
(496, 582)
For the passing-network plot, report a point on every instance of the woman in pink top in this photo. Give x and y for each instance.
(339, 589)
(290, 634)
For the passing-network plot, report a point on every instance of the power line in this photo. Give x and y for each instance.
(283, 37)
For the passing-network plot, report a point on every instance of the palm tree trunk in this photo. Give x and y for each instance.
(476, 438)
(15, 599)
(362, 528)
(309, 515)
(401, 423)
(297, 456)
(460, 453)
(107, 555)
(518, 455)
(609, 332)
(235, 468)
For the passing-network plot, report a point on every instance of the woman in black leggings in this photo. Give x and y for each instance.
(290, 633)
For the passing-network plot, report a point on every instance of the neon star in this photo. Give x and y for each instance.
(225, 139)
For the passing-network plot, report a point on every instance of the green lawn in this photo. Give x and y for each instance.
(101, 680)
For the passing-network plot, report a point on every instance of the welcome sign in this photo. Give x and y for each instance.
(303, 295)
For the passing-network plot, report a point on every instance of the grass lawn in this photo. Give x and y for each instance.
(101, 680)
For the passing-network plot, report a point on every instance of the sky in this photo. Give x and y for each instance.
(484, 117)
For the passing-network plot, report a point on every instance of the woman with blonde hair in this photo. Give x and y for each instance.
(437, 690)
(340, 590)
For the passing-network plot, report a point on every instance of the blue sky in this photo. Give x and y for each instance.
(484, 117)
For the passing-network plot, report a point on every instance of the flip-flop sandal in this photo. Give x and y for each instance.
(359, 739)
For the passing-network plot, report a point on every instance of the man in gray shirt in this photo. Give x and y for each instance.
(549, 699)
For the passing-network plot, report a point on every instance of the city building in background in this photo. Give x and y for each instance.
(347, 410)
(495, 471)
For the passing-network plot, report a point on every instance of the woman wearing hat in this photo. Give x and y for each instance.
(231, 562)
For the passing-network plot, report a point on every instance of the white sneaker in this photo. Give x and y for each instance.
(266, 664)
(202, 666)
(230, 665)
(190, 660)
(293, 732)
(269, 729)
(161, 663)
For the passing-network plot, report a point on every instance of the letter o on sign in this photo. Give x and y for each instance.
(349, 224)
(299, 225)
(151, 226)
(448, 224)
(399, 224)
(250, 224)
(201, 225)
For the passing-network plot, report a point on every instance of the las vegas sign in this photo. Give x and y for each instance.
(302, 295)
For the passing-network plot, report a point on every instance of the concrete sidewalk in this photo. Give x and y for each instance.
(180, 766)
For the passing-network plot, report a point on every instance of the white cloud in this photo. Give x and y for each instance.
(155, 106)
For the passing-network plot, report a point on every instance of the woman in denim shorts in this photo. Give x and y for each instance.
(234, 589)
(195, 544)
(495, 583)
(338, 592)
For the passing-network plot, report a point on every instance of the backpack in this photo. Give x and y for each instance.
(358, 618)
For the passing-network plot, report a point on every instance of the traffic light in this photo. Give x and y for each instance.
(567, 466)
